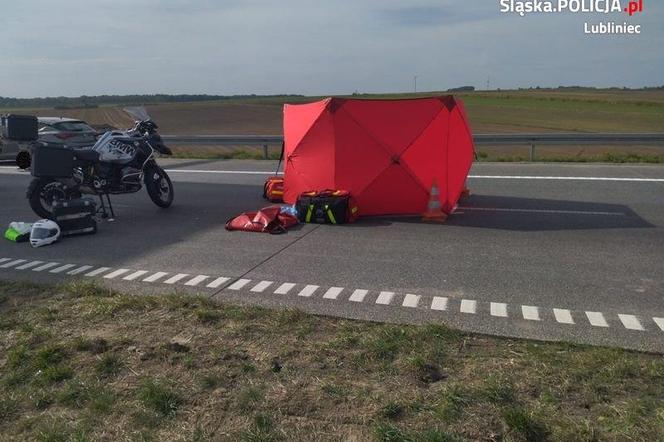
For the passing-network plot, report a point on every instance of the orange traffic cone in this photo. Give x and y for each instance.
(434, 213)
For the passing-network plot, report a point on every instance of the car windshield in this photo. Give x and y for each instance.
(139, 113)
(73, 126)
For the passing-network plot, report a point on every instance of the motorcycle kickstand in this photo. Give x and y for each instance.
(104, 212)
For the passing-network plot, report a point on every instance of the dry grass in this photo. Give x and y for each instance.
(80, 362)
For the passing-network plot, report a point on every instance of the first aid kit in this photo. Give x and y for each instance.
(326, 207)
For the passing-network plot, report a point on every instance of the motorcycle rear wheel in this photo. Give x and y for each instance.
(42, 192)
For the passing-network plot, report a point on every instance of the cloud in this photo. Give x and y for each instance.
(301, 46)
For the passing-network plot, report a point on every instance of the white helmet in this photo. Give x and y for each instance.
(44, 232)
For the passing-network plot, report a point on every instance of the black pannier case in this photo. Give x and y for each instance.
(48, 161)
(75, 217)
(19, 127)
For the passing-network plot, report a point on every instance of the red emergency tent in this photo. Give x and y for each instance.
(387, 153)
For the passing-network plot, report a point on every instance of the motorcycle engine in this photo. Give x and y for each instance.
(131, 175)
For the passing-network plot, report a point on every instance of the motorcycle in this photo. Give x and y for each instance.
(118, 163)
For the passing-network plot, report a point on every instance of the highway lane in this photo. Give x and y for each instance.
(522, 257)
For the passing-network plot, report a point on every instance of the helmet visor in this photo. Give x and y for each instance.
(41, 233)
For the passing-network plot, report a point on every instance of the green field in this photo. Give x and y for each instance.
(543, 110)
(80, 362)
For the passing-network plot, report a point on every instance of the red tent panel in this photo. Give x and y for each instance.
(387, 153)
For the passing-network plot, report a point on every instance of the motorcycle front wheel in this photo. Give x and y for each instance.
(43, 192)
(159, 187)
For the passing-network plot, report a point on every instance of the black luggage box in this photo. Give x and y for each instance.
(75, 217)
(19, 127)
(52, 161)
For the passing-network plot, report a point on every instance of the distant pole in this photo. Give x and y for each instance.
(415, 83)
(488, 83)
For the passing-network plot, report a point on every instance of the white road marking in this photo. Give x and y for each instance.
(530, 313)
(567, 178)
(468, 306)
(261, 286)
(116, 273)
(45, 266)
(155, 276)
(555, 212)
(98, 271)
(659, 322)
(439, 303)
(631, 322)
(411, 301)
(308, 291)
(79, 270)
(333, 292)
(478, 177)
(63, 268)
(4, 260)
(237, 285)
(217, 172)
(29, 265)
(563, 316)
(284, 288)
(13, 263)
(176, 278)
(218, 282)
(385, 298)
(193, 282)
(135, 275)
(499, 309)
(596, 319)
(358, 295)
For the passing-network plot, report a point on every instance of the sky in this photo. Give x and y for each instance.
(311, 47)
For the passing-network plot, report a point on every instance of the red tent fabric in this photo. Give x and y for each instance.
(387, 153)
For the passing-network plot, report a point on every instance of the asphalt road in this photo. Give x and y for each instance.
(570, 252)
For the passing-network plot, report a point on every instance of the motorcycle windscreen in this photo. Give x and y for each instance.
(138, 113)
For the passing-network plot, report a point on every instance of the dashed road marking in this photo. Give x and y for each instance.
(385, 298)
(596, 319)
(79, 270)
(173, 279)
(218, 282)
(308, 291)
(261, 286)
(62, 268)
(530, 313)
(631, 322)
(498, 309)
(411, 301)
(468, 306)
(193, 282)
(439, 303)
(114, 274)
(98, 271)
(29, 265)
(12, 263)
(46, 266)
(659, 322)
(358, 295)
(563, 316)
(155, 277)
(135, 275)
(239, 284)
(333, 293)
(284, 288)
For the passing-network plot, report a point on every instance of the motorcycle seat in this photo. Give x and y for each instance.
(87, 155)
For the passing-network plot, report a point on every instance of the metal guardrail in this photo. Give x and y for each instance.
(531, 140)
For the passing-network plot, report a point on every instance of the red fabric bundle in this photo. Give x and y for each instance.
(267, 220)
